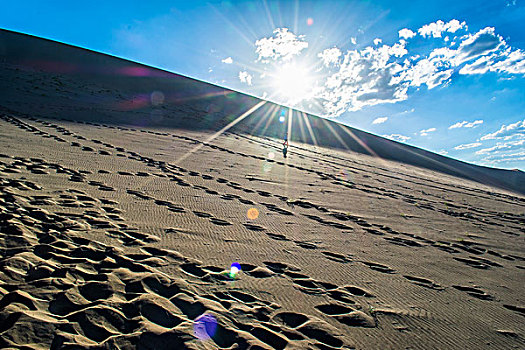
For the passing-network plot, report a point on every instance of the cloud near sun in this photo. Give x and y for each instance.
(380, 73)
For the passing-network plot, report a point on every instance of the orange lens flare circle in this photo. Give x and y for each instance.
(252, 213)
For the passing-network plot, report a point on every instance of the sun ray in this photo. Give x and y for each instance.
(309, 127)
(247, 26)
(301, 126)
(279, 13)
(269, 14)
(336, 135)
(268, 122)
(289, 127)
(288, 137)
(264, 118)
(240, 32)
(360, 142)
(296, 16)
(218, 133)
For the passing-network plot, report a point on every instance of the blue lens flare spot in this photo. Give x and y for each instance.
(205, 326)
(234, 269)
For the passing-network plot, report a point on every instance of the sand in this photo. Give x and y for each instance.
(119, 227)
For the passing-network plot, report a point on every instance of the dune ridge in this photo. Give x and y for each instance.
(81, 80)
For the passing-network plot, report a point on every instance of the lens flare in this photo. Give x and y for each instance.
(157, 98)
(282, 119)
(310, 21)
(271, 155)
(252, 213)
(234, 270)
(204, 326)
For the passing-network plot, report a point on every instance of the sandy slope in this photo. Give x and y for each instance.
(117, 228)
(45, 78)
(106, 241)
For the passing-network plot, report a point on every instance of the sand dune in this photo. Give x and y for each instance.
(120, 218)
(61, 78)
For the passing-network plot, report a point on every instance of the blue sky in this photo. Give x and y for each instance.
(447, 76)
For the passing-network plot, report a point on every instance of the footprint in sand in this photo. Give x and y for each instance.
(474, 292)
(347, 316)
(518, 309)
(424, 282)
(336, 257)
(306, 245)
(254, 227)
(139, 194)
(379, 267)
(277, 237)
(220, 222)
(202, 214)
(357, 291)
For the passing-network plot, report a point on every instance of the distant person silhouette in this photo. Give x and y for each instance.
(285, 146)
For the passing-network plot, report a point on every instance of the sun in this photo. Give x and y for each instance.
(293, 82)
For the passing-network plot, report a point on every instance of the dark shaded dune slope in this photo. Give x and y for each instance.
(54, 80)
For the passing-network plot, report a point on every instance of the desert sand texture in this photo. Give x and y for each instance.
(120, 218)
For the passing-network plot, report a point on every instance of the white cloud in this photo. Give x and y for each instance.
(426, 131)
(468, 145)
(377, 75)
(458, 125)
(510, 159)
(443, 152)
(381, 73)
(474, 124)
(502, 146)
(435, 29)
(428, 71)
(364, 78)
(406, 33)
(380, 120)
(465, 124)
(512, 62)
(505, 61)
(330, 56)
(245, 77)
(283, 45)
(407, 111)
(481, 66)
(504, 152)
(227, 60)
(477, 45)
(398, 49)
(508, 156)
(507, 131)
(397, 137)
